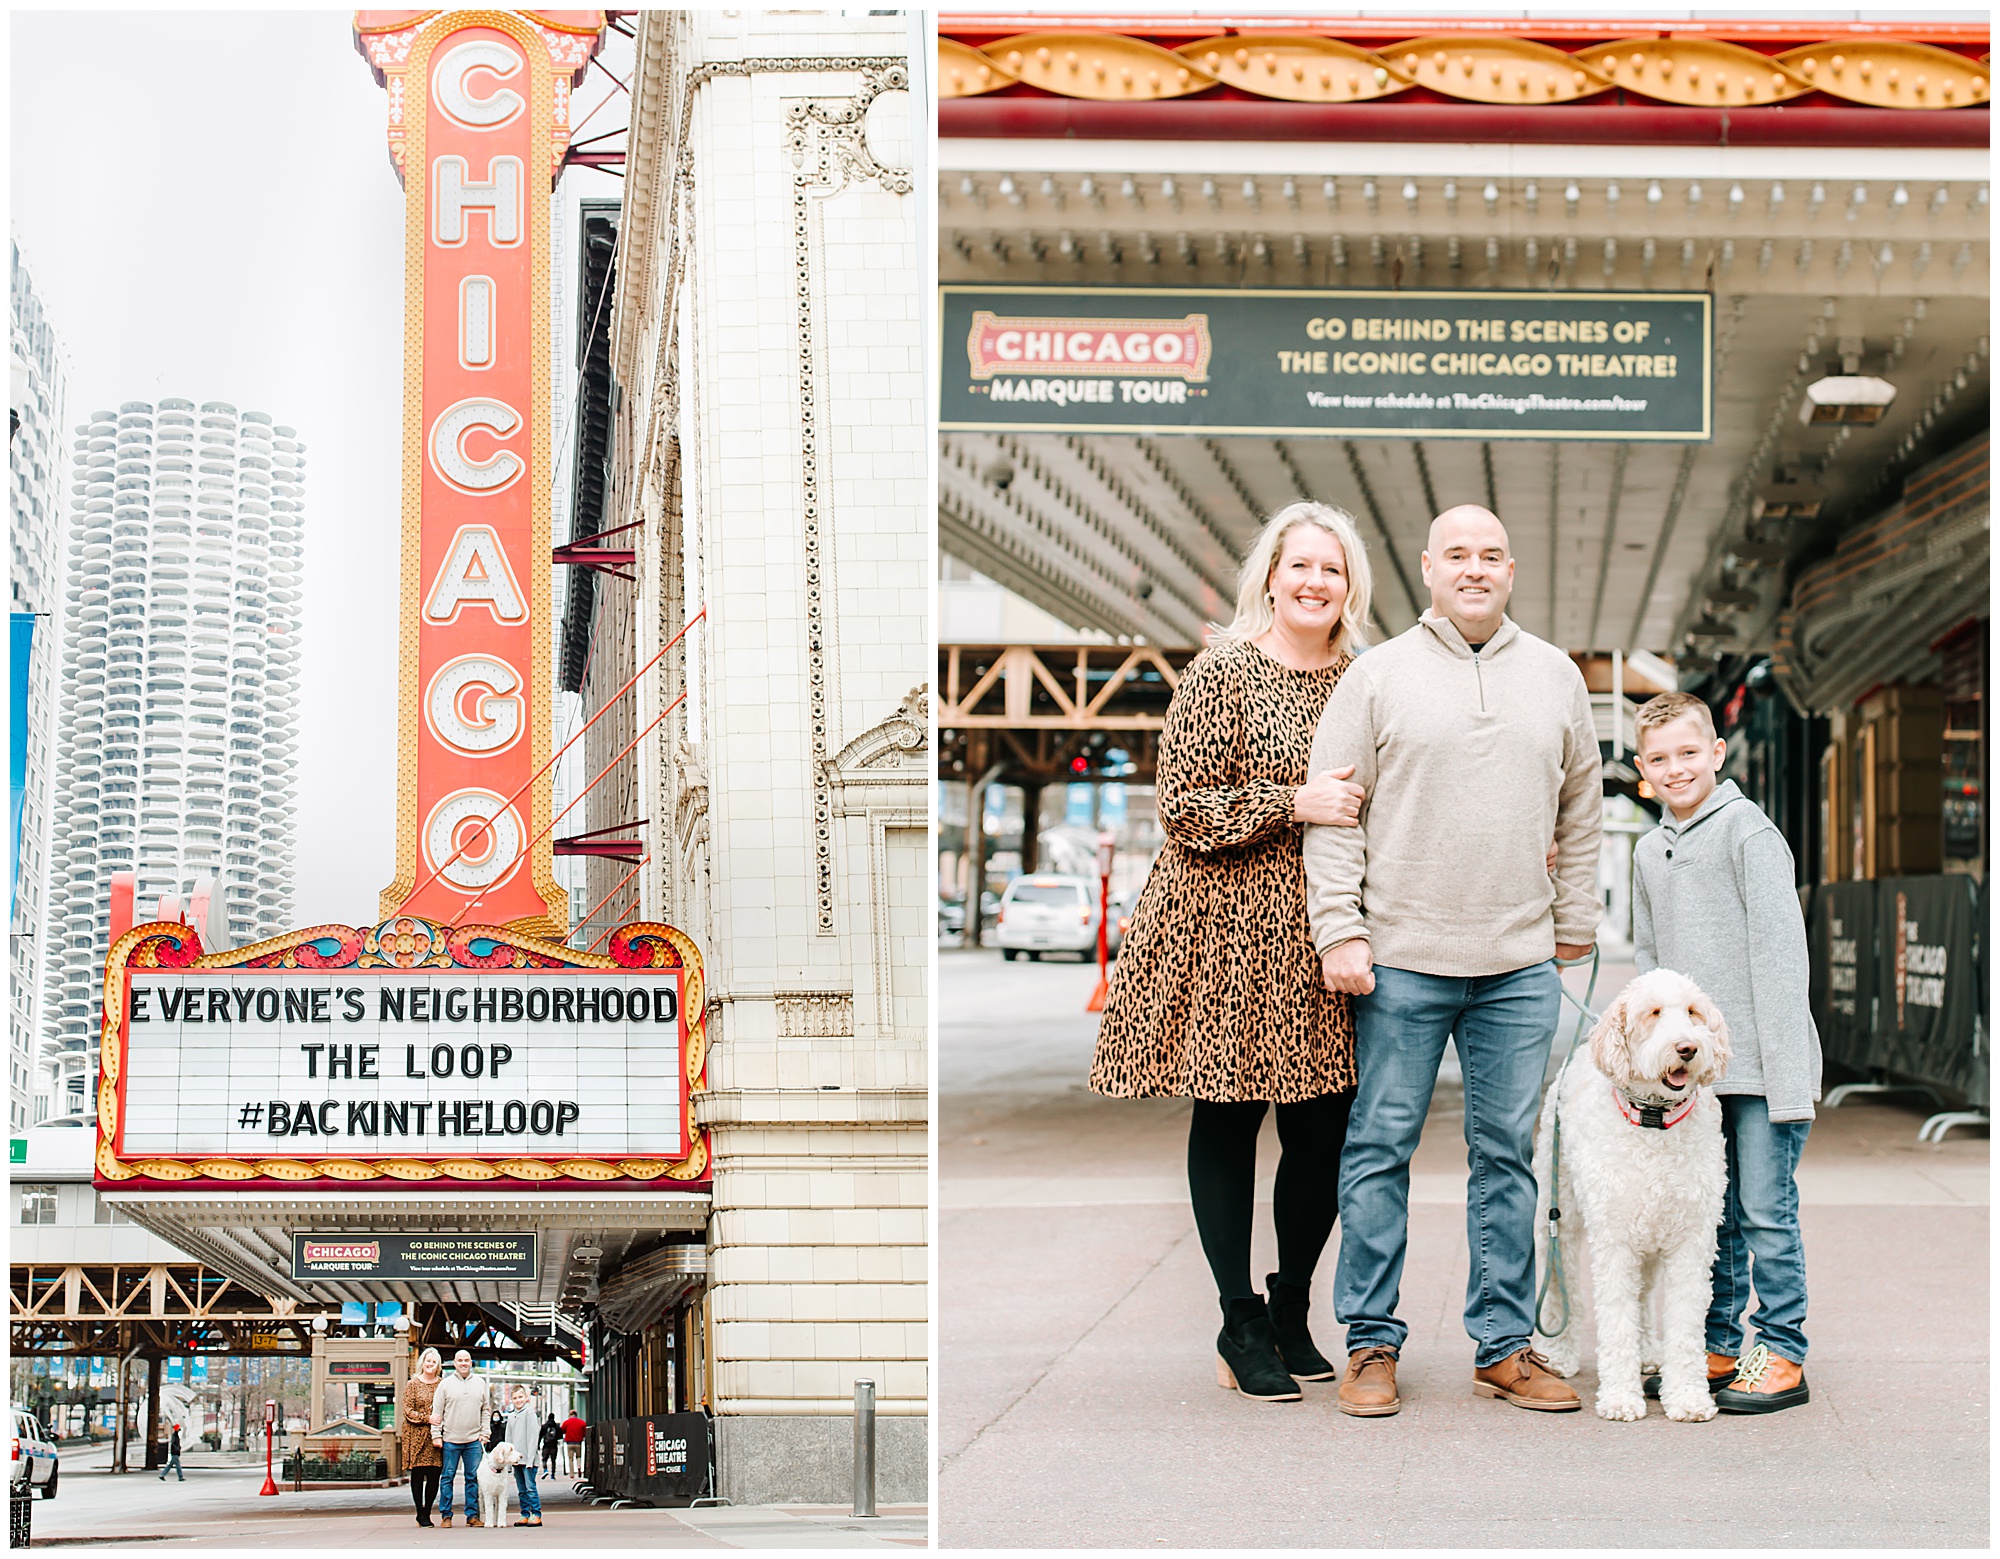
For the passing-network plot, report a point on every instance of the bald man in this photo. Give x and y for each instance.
(1440, 916)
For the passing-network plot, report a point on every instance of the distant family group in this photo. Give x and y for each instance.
(450, 1421)
(1369, 850)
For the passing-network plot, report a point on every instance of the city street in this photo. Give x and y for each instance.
(1078, 1404)
(219, 1507)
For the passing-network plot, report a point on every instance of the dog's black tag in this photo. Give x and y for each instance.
(1653, 1115)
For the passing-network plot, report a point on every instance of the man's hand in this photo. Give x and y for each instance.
(1329, 798)
(1569, 950)
(1349, 969)
(1552, 858)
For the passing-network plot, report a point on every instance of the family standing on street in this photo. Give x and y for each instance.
(1370, 851)
(446, 1427)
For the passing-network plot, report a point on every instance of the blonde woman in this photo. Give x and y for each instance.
(1217, 996)
(421, 1457)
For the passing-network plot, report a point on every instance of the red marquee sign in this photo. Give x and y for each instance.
(478, 126)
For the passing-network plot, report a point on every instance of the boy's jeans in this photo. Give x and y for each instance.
(1760, 1223)
(1505, 1025)
(456, 1456)
(524, 1486)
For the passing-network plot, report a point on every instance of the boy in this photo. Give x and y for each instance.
(1713, 897)
(524, 1433)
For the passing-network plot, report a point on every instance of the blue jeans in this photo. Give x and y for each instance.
(1760, 1224)
(1505, 1024)
(456, 1456)
(524, 1486)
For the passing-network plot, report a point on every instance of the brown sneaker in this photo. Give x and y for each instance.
(444, 1521)
(1369, 1387)
(1721, 1370)
(1764, 1383)
(474, 1521)
(1523, 1379)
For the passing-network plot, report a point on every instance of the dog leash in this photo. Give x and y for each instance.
(1555, 1276)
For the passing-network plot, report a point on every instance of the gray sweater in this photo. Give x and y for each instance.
(1472, 764)
(1713, 898)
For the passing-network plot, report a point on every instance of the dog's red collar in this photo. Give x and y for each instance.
(1657, 1117)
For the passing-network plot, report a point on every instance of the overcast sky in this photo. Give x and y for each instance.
(207, 206)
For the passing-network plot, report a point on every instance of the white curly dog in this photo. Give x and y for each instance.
(1642, 1162)
(496, 1479)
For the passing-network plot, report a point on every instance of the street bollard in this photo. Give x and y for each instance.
(864, 1448)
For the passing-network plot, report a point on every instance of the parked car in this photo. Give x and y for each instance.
(1047, 914)
(35, 1459)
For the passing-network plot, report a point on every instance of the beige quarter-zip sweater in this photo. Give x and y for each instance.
(1472, 763)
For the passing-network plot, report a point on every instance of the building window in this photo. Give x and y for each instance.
(38, 1204)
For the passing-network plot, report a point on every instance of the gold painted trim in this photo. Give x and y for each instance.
(964, 71)
(1883, 73)
(145, 939)
(1687, 70)
(1277, 66)
(1530, 73)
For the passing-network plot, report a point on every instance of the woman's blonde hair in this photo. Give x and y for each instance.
(429, 1353)
(1254, 613)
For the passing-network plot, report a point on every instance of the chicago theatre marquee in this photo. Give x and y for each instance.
(590, 1115)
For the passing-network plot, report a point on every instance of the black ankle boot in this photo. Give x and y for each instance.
(1248, 1354)
(1288, 1324)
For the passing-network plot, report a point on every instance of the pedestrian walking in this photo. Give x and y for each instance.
(524, 1433)
(1217, 994)
(1441, 916)
(459, 1410)
(1713, 897)
(572, 1433)
(173, 1457)
(551, 1442)
(422, 1456)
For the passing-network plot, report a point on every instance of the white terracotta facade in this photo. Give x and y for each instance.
(767, 341)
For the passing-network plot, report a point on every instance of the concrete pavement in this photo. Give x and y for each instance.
(219, 1507)
(1076, 1374)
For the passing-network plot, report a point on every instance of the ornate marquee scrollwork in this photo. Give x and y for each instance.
(401, 942)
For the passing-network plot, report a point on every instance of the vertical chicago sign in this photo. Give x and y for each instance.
(478, 126)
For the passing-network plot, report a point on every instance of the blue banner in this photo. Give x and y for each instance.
(20, 650)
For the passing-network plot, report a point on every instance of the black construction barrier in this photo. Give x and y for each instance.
(664, 1459)
(1899, 979)
(1927, 981)
(1842, 956)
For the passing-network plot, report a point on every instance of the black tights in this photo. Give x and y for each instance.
(424, 1488)
(1222, 1178)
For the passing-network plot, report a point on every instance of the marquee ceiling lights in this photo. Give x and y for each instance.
(1312, 68)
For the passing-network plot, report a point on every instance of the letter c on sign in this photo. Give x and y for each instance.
(448, 456)
(477, 113)
(494, 720)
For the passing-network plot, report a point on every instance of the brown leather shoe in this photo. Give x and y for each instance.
(474, 1521)
(1369, 1388)
(1523, 1379)
(444, 1521)
(1721, 1370)
(1764, 1383)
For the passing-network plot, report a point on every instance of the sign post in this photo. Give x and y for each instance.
(270, 1428)
(1106, 844)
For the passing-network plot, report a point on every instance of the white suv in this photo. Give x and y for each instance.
(34, 1454)
(1047, 914)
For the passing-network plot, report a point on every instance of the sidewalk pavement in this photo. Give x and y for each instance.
(1077, 1398)
(220, 1508)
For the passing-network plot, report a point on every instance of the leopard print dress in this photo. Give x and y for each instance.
(1217, 991)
